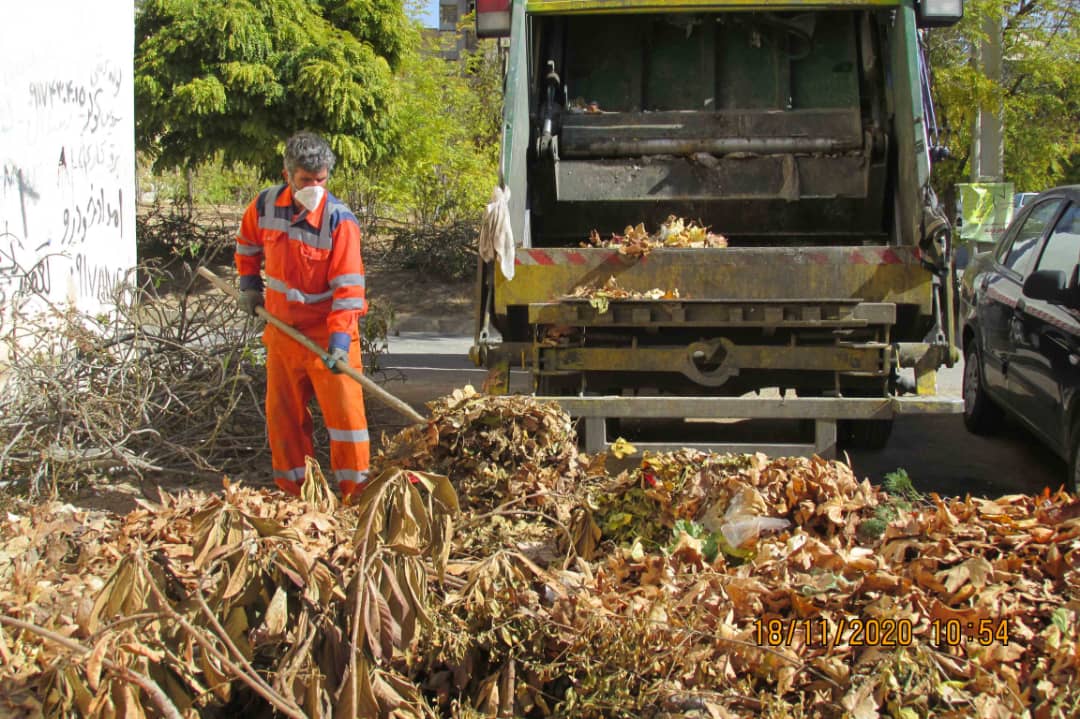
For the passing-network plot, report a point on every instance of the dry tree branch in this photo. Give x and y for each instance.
(283, 704)
(153, 384)
(157, 695)
(228, 642)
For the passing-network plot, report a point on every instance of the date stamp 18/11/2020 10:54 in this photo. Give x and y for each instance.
(877, 632)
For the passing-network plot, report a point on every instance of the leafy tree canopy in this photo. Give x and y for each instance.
(445, 163)
(239, 76)
(1039, 90)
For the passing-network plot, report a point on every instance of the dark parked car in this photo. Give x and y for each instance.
(1020, 317)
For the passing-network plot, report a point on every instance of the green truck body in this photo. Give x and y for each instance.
(800, 131)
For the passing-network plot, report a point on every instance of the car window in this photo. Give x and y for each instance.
(1027, 237)
(1063, 246)
(1006, 240)
(1007, 237)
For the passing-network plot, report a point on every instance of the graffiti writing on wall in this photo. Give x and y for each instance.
(67, 154)
(92, 100)
(96, 210)
(94, 157)
(15, 181)
(98, 280)
(17, 280)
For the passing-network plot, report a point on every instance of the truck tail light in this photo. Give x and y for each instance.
(939, 13)
(492, 18)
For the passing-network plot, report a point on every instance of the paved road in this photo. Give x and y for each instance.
(936, 451)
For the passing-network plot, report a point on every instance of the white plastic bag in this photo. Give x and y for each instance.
(741, 524)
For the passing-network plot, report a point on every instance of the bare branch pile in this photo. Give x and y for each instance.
(155, 383)
(689, 585)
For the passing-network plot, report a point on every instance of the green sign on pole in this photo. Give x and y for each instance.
(985, 211)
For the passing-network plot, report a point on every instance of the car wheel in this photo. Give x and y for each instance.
(981, 415)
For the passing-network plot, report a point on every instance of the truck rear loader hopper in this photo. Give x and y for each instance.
(798, 130)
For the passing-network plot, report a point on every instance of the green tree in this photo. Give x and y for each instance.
(237, 77)
(445, 164)
(1040, 89)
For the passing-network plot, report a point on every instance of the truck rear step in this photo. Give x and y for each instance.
(823, 411)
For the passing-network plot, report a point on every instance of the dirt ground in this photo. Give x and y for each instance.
(422, 304)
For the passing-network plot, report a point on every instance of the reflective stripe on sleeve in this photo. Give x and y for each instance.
(248, 250)
(294, 295)
(348, 435)
(350, 303)
(347, 281)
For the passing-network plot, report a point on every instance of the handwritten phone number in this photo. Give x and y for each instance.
(874, 632)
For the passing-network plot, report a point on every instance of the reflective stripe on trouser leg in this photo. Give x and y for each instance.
(288, 392)
(291, 480)
(342, 402)
(296, 474)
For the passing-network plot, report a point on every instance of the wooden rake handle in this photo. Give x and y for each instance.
(369, 386)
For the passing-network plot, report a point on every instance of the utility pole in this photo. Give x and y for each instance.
(987, 201)
(988, 135)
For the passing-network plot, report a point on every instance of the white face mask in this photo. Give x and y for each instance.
(309, 196)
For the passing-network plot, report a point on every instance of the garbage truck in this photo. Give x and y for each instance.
(798, 136)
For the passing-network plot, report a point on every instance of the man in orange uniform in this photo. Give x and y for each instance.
(310, 243)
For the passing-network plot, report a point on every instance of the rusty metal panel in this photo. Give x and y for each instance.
(727, 407)
(792, 314)
(878, 313)
(603, 62)
(653, 178)
(679, 73)
(842, 126)
(570, 7)
(751, 220)
(872, 274)
(928, 405)
(753, 66)
(827, 76)
(732, 358)
(756, 407)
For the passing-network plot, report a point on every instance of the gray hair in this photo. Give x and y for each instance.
(308, 151)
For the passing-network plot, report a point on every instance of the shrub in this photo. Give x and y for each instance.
(448, 251)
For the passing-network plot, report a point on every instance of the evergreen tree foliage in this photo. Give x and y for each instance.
(237, 77)
(1040, 89)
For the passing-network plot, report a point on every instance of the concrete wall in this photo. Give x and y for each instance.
(67, 202)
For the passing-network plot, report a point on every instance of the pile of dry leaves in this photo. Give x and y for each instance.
(600, 297)
(492, 570)
(496, 448)
(673, 232)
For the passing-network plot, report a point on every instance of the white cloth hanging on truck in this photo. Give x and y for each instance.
(496, 236)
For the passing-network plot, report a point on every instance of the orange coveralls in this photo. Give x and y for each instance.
(314, 282)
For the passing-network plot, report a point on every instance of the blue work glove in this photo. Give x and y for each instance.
(338, 350)
(251, 293)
